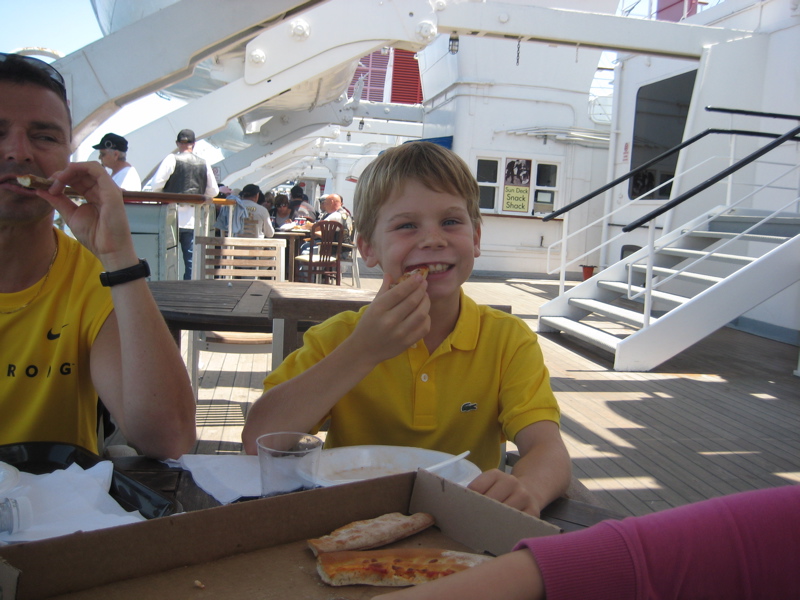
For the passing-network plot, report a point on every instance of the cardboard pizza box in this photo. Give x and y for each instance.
(254, 549)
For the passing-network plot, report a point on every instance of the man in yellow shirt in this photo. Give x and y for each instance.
(77, 320)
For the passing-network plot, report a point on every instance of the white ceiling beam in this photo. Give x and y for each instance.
(156, 51)
(581, 29)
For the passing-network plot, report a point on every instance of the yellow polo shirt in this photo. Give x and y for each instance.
(46, 390)
(483, 385)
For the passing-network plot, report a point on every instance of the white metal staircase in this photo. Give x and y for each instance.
(652, 305)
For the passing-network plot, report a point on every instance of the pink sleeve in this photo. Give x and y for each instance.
(745, 545)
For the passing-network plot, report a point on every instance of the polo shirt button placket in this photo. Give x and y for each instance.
(424, 377)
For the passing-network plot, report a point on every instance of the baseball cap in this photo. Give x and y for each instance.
(250, 190)
(186, 135)
(112, 141)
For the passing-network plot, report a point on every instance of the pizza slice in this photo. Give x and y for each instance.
(393, 567)
(422, 270)
(34, 182)
(371, 533)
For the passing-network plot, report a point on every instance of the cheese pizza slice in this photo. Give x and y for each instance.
(393, 567)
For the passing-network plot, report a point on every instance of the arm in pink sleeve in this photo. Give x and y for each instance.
(745, 545)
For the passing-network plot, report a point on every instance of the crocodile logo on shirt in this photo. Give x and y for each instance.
(469, 406)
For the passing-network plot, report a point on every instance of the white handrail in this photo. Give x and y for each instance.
(564, 263)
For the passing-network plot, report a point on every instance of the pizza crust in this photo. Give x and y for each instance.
(371, 533)
(393, 567)
(34, 182)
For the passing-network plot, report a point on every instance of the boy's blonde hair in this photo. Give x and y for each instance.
(434, 166)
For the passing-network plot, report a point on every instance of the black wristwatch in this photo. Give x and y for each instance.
(137, 271)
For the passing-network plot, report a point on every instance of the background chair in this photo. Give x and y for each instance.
(350, 255)
(323, 262)
(234, 258)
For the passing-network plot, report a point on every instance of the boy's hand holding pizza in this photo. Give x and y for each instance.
(396, 319)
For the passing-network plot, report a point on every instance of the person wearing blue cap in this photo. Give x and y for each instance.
(113, 151)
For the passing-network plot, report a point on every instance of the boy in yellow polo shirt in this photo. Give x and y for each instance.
(423, 365)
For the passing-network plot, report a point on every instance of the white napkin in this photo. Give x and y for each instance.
(69, 500)
(226, 477)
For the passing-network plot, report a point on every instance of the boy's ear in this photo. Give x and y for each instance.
(476, 240)
(366, 252)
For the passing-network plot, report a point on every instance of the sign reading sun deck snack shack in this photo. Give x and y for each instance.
(517, 188)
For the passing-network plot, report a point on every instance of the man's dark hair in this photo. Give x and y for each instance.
(296, 192)
(251, 190)
(20, 69)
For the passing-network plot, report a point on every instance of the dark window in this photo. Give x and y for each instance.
(546, 175)
(661, 110)
(487, 197)
(487, 171)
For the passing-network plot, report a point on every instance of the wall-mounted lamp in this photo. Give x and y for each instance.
(361, 125)
(453, 46)
(348, 136)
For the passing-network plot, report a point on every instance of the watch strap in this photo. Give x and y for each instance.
(137, 271)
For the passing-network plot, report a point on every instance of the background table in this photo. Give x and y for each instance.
(293, 238)
(247, 306)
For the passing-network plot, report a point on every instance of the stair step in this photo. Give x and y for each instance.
(622, 288)
(616, 313)
(749, 237)
(699, 277)
(587, 333)
(687, 253)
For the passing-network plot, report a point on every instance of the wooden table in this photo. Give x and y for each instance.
(178, 485)
(247, 306)
(293, 238)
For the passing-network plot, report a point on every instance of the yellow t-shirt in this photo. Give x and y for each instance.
(483, 385)
(46, 392)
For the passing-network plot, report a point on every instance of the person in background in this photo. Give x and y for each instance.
(300, 206)
(250, 195)
(183, 172)
(741, 546)
(77, 319)
(268, 201)
(424, 365)
(113, 150)
(283, 213)
(334, 210)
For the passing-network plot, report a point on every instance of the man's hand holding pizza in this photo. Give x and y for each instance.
(100, 223)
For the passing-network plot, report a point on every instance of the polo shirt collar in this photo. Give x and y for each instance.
(465, 334)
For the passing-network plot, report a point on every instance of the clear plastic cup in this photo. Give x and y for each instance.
(288, 462)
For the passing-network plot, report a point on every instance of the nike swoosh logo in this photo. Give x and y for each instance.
(54, 336)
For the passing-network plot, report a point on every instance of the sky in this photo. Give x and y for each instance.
(65, 26)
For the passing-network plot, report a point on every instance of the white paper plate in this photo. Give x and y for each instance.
(9, 476)
(354, 463)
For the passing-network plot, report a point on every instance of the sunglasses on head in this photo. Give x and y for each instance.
(39, 65)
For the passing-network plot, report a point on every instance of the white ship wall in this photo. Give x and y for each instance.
(758, 73)
(483, 99)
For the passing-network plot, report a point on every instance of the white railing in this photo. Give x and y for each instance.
(652, 249)
(562, 244)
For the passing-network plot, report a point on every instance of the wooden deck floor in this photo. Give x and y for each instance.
(722, 417)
